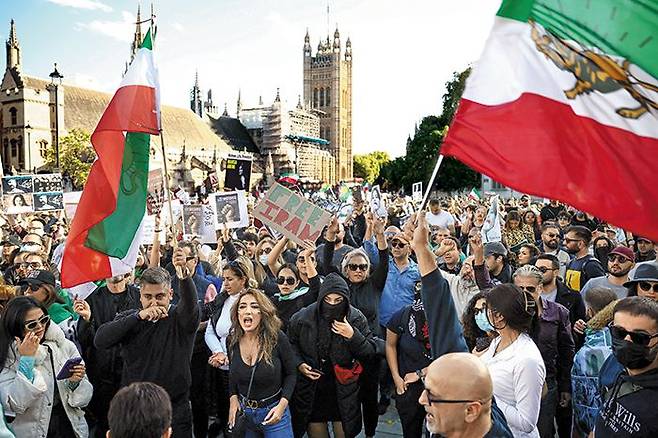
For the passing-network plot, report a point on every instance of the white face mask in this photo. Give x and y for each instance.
(263, 259)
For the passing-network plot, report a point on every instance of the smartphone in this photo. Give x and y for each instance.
(317, 371)
(67, 369)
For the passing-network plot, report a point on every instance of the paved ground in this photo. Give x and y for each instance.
(389, 424)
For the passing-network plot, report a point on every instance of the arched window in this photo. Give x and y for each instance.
(315, 98)
(327, 98)
(43, 148)
(13, 116)
(321, 97)
(14, 148)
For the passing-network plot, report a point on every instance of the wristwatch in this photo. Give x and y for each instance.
(420, 375)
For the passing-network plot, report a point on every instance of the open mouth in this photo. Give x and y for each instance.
(247, 322)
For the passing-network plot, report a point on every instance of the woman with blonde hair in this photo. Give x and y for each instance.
(263, 368)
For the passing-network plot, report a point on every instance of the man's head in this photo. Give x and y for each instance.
(494, 256)
(597, 298)
(577, 239)
(400, 247)
(644, 245)
(155, 288)
(191, 255)
(37, 226)
(435, 206)
(141, 409)
(530, 279)
(549, 266)
(36, 261)
(457, 395)
(12, 184)
(32, 242)
(251, 241)
(439, 233)
(451, 257)
(525, 201)
(620, 261)
(563, 220)
(550, 236)
(635, 334)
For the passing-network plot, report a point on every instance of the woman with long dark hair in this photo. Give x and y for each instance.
(516, 232)
(530, 219)
(514, 361)
(478, 332)
(33, 351)
(263, 370)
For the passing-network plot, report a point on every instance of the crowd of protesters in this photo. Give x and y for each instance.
(551, 331)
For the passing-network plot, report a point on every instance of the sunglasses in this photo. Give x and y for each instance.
(33, 324)
(302, 259)
(357, 267)
(287, 280)
(431, 400)
(551, 235)
(567, 240)
(266, 250)
(190, 258)
(639, 338)
(530, 289)
(398, 244)
(119, 278)
(544, 269)
(646, 286)
(612, 258)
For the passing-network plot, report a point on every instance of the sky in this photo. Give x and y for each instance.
(403, 52)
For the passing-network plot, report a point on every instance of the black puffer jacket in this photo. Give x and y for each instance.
(303, 334)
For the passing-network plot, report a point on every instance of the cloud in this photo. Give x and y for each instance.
(121, 30)
(86, 81)
(83, 4)
(179, 27)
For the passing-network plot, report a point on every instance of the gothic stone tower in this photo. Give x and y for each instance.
(328, 88)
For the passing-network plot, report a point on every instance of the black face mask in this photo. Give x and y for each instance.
(633, 356)
(333, 312)
(602, 254)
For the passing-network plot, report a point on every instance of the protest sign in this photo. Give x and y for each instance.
(48, 201)
(491, 231)
(17, 203)
(12, 185)
(155, 192)
(238, 173)
(192, 220)
(377, 205)
(148, 231)
(417, 191)
(71, 200)
(230, 209)
(291, 214)
(51, 182)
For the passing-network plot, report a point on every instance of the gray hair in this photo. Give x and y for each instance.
(348, 258)
(528, 271)
(156, 275)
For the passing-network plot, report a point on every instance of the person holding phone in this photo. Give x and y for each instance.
(43, 383)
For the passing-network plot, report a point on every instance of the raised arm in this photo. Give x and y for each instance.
(381, 271)
(187, 309)
(275, 255)
(482, 277)
(154, 257)
(329, 246)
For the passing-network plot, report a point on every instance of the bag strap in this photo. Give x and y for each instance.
(253, 371)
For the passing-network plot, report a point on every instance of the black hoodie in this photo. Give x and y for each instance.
(629, 402)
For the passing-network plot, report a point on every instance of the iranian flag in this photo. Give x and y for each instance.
(474, 194)
(105, 233)
(563, 104)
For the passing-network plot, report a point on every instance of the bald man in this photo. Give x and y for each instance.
(457, 398)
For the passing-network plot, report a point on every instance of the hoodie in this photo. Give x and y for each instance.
(629, 402)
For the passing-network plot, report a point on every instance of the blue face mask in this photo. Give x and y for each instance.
(482, 322)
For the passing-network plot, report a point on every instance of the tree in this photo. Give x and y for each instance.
(368, 166)
(76, 155)
(423, 150)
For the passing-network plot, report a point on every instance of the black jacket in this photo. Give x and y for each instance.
(574, 303)
(303, 334)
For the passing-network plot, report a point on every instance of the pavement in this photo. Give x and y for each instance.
(389, 424)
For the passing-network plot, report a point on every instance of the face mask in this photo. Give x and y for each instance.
(482, 322)
(602, 253)
(333, 312)
(631, 355)
(263, 259)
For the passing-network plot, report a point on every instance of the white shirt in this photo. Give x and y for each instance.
(518, 375)
(442, 220)
(217, 342)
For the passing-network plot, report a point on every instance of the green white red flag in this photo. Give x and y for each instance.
(105, 233)
(563, 104)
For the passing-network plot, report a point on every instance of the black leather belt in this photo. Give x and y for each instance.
(255, 404)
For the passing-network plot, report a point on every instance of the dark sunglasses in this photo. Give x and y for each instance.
(431, 400)
(638, 338)
(646, 286)
(357, 267)
(266, 250)
(530, 289)
(119, 278)
(190, 258)
(287, 280)
(302, 259)
(552, 235)
(34, 323)
(617, 258)
(398, 244)
(545, 269)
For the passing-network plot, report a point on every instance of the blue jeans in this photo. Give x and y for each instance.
(282, 429)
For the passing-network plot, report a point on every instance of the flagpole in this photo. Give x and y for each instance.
(431, 183)
(170, 208)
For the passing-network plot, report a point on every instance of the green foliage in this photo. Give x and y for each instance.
(423, 150)
(76, 155)
(368, 166)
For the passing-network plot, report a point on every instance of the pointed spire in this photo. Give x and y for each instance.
(348, 49)
(307, 44)
(336, 40)
(260, 100)
(225, 113)
(13, 38)
(196, 78)
(137, 40)
(13, 48)
(278, 96)
(299, 101)
(239, 103)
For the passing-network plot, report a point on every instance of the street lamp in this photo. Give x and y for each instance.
(28, 128)
(56, 77)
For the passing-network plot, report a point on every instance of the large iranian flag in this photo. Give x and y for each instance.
(105, 233)
(563, 104)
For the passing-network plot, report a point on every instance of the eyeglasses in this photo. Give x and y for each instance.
(431, 400)
(302, 259)
(551, 235)
(545, 269)
(190, 258)
(481, 309)
(530, 289)
(287, 280)
(639, 338)
(119, 278)
(266, 250)
(646, 286)
(612, 258)
(398, 244)
(567, 240)
(358, 267)
(34, 323)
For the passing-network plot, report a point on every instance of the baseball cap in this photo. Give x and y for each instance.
(38, 277)
(492, 248)
(624, 252)
(401, 236)
(638, 238)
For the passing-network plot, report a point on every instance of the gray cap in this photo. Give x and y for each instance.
(492, 248)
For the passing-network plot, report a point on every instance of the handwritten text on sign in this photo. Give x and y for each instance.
(291, 214)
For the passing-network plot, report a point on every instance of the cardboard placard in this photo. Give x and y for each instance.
(48, 201)
(148, 231)
(238, 173)
(417, 191)
(155, 192)
(377, 205)
(26, 193)
(192, 220)
(230, 209)
(291, 214)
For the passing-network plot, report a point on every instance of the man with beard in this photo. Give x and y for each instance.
(646, 249)
(462, 283)
(449, 252)
(620, 262)
(550, 244)
(584, 266)
(551, 211)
